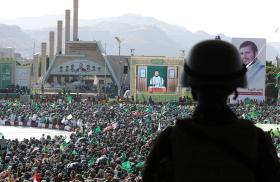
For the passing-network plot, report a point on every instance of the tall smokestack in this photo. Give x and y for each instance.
(67, 28)
(75, 20)
(51, 42)
(43, 58)
(59, 37)
(67, 24)
(44, 49)
(35, 68)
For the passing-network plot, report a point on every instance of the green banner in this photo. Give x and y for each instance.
(5, 75)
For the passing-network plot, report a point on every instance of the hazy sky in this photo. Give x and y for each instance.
(236, 18)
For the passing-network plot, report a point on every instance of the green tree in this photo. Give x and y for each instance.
(271, 87)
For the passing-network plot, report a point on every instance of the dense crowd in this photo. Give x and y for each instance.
(110, 142)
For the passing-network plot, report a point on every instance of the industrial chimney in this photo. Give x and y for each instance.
(67, 28)
(75, 20)
(51, 42)
(67, 24)
(59, 37)
(43, 58)
(44, 49)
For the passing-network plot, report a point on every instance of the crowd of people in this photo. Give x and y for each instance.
(110, 141)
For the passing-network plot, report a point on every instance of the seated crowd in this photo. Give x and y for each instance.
(110, 141)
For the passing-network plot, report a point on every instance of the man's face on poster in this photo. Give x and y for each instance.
(156, 73)
(247, 54)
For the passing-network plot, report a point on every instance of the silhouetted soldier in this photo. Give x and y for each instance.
(214, 145)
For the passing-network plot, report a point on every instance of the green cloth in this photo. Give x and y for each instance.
(64, 144)
(276, 133)
(97, 129)
(74, 152)
(149, 109)
(254, 114)
(140, 164)
(91, 162)
(69, 99)
(277, 75)
(126, 166)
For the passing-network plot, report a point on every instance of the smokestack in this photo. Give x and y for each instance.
(75, 20)
(44, 49)
(67, 24)
(51, 42)
(43, 57)
(35, 68)
(59, 37)
(67, 28)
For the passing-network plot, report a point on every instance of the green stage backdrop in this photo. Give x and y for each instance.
(162, 73)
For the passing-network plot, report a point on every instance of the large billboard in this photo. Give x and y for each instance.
(156, 79)
(6, 74)
(253, 54)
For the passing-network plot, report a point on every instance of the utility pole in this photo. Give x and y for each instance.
(119, 42)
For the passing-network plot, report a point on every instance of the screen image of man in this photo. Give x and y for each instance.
(156, 80)
(256, 69)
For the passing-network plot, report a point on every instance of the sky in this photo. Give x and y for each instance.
(235, 18)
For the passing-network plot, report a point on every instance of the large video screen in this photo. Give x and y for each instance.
(253, 54)
(156, 79)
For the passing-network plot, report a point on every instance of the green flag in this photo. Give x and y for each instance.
(126, 166)
(247, 117)
(91, 162)
(74, 152)
(254, 115)
(69, 99)
(277, 75)
(63, 145)
(140, 164)
(276, 133)
(97, 129)
(149, 109)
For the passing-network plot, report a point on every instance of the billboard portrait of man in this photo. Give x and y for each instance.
(253, 54)
(256, 69)
(156, 80)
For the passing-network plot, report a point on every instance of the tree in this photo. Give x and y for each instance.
(271, 87)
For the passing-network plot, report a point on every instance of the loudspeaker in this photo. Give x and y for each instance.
(125, 69)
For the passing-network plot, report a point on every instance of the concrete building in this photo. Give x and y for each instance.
(84, 63)
(7, 52)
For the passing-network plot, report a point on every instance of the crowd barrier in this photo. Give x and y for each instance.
(36, 125)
